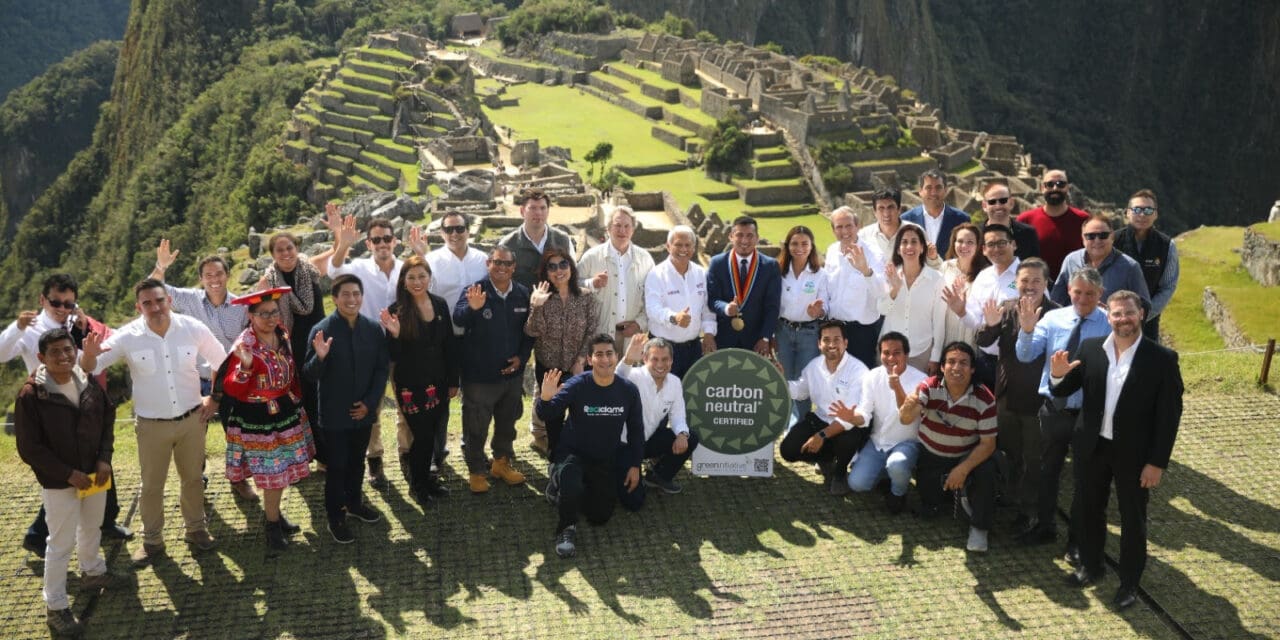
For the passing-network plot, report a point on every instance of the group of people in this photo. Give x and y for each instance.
(910, 350)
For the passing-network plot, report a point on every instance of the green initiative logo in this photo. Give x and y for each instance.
(736, 400)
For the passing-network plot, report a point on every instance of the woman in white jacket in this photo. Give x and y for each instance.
(912, 304)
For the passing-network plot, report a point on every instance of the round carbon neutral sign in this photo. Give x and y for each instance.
(737, 403)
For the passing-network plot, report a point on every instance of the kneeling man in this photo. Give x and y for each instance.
(666, 432)
(893, 446)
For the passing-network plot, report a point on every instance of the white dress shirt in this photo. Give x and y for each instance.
(824, 387)
(379, 287)
(852, 295)
(16, 342)
(933, 225)
(1117, 373)
(667, 402)
(879, 246)
(879, 407)
(621, 299)
(450, 275)
(800, 292)
(918, 313)
(990, 285)
(166, 382)
(667, 293)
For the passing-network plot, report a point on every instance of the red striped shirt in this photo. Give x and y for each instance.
(950, 429)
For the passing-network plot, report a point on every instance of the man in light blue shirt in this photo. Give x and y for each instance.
(1119, 272)
(1059, 330)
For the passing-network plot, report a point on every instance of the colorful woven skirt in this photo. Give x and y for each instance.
(272, 447)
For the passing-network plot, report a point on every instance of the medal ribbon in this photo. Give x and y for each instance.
(740, 290)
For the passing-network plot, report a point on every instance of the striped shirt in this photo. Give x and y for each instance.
(950, 429)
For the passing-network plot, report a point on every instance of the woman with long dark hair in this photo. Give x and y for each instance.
(804, 300)
(912, 304)
(563, 320)
(964, 260)
(425, 371)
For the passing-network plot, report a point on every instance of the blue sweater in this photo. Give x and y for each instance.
(597, 416)
(354, 371)
(493, 334)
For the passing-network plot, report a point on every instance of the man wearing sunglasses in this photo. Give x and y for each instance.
(997, 204)
(1119, 271)
(378, 273)
(58, 310)
(1154, 252)
(1057, 223)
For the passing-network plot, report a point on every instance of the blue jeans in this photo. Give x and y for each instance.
(796, 348)
(872, 464)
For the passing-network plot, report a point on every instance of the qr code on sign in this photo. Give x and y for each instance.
(762, 465)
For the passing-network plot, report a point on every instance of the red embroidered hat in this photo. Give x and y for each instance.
(258, 296)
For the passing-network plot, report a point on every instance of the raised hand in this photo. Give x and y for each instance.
(1060, 364)
(550, 384)
(844, 411)
(932, 254)
(92, 346)
(857, 257)
(333, 217)
(347, 234)
(540, 294)
(321, 345)
(26, 319)
(955, 298)
(245, 355)
(600, 280)
(635, 348)
(814, 309)
(419, 243)
(684, 318)
(892, 276)
(991, 313)
(1028, 314)
(476, 297)
(165, 257)
(390, 323)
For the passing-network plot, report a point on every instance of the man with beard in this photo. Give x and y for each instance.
(1017, 388)
(1057, 224)
(935, 216)
(1154, 251)
(854, 286)
(997, 204)
(893, 446)
(744, 288)
(675, 299)
(1132, 406)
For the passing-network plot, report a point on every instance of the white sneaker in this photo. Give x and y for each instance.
(977, 540)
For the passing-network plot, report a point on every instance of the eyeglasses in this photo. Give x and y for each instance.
(456, 229)
(267, 315)
(1055, 184)
(1100, 235)
(506, 264)
(996, 244)
(562, 265)
(1143, 211)
(387, 239)
(994, 201)
(61, 304)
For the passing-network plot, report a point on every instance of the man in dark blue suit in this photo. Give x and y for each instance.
(744, 289)
(935, 216)
(1132, 407)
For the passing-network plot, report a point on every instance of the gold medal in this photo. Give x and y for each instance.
(737, 324)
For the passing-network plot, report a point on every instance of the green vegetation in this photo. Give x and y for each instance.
(1208, 260)
(772, 46)
(537, 17)
(34, 35)
(775, 229)
(728, 146)
(838, 178)
(674, 25)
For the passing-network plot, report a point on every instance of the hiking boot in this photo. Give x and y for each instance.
(478, 483)
(377, 479)
(565, 547)
(103, 580)
(839, 485)
(289, 528)
(201, 540)
(275, 536)
(244, 491)
(668, 486)
(363, 513)
(977, 540)
(341, 532)
(63, 623)
(405, 470)
(895, 504)
(146, 554)
(501, 469)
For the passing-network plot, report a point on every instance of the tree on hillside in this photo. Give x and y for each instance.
(727, 144)
(600, 155)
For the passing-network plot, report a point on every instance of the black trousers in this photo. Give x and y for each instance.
(586, 488)
(836, 453)
(1103, 466)
(345, 474)
(657, 446)
(979, 487)
(683, 355)
(862, 341)
(1056, 430)
(426, 427)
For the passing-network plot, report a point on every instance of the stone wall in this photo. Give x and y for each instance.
(1221, 320)
(1261, 258)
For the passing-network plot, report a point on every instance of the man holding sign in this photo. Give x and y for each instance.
(744, 288)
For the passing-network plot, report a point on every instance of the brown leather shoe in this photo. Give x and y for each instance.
(245, 491)
(146, 554)
(478, 483)
(201, 540)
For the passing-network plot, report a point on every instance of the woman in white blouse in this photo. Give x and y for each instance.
(912, 304)
(964, 261)
(804, 301)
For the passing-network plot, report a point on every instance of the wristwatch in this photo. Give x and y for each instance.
(672, 319)
(822, 433)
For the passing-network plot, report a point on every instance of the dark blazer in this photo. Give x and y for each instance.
(759, 311)
(354, 371)
(951, 217)
(494, 334)
(1149, 409)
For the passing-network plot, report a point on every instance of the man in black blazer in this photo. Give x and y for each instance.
(1132, 406)
(744, 289)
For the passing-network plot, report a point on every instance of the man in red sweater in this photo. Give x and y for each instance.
(1057, 223)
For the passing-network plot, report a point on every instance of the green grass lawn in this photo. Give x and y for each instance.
(685, 186)
(775, 229)
(1207, 259)
(1269, 229)
(560, 116)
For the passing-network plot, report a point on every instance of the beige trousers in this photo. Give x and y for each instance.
(183, 442)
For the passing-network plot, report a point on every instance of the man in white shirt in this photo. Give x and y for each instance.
(619, 268)
(379, 274)
(163, 350)
(647, 364)
(827, 435)
(995, 283)
(854, 287)
(878, 236)
(893, 446)
(675, 300)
